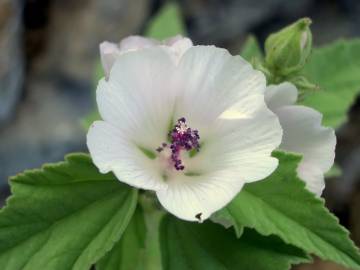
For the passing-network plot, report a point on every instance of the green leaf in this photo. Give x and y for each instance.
(167, 23)
(64, 216)
(225, 218)
(280, 205)
(128, 253)
(335, 171)
(336, 69)
(251, 49)
(89, 119)
(139, 247)
(94, 115)
(186, 245)
(98, 74)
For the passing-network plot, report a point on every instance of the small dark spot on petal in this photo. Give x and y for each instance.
(198, 217)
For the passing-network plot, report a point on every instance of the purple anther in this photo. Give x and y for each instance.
(182, 138)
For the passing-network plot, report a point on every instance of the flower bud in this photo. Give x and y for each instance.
(288, 49)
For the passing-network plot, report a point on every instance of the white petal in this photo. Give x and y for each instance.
(211, 80)
(132, 43)
(109, 51)
(244, 145)
(108, 54)
(280, 95)
(110, 151)
(175, 39)
(313, 176)
(138, 97)
(196, 198)
(220, 95)
(304, 134)
(178, 46)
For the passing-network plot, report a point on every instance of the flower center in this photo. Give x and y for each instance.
(182, 138)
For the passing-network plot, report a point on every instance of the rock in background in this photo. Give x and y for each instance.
(61, 39)
(226, 23)
(11, 57)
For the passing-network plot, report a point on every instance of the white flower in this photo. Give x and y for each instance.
(109, 52)
(303, 134)
(212, 104)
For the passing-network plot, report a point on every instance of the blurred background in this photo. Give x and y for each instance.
(49, 55)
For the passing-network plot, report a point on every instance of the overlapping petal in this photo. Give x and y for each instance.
(304, 134)
(220, 95)
(111, 151)
(195, 198)
(211, 80)
(109, 51)
(280, 95)
(138, 98)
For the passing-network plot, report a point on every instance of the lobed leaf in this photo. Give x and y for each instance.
(251, 49)
(167, 22)
(281, 205)
(336, 68)
(128, 252)
(64, 216)
(208, 246)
